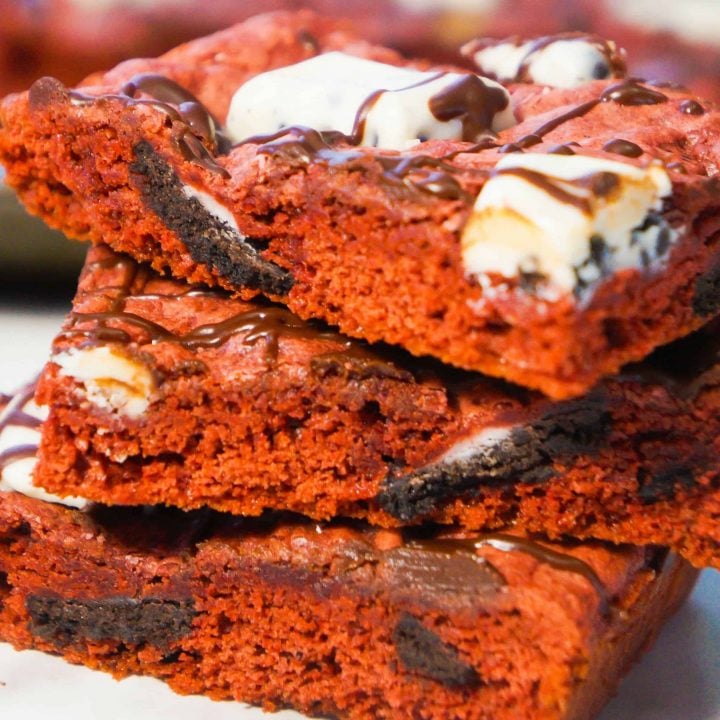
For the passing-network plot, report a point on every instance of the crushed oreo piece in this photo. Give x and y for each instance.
(525, 456)
(209, 240)
(63, 621)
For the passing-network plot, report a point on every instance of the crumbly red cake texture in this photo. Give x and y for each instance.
(244, 407)
(372, 250)
(336, 620)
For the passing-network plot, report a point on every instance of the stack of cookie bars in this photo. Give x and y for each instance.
(388, 390)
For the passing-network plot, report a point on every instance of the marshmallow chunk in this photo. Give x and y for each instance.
(560, 223)
(563, 62)
(112, 380)
(329, 91)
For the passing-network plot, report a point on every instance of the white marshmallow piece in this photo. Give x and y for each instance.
(17, 475)
(542, 214)
(112, 381)
(326, 93)
(562, 63)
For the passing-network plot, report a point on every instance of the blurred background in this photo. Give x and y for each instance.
(676, 40)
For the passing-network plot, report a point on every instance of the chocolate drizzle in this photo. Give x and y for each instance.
(196, 136)
(266, 323)
(600, 184)
(14, 415)
(471, 100)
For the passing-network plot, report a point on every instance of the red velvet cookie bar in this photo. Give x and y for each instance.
(336, 619)
(395, 245)
(161, 392)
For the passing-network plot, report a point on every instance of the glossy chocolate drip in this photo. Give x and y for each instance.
(471, 100)
(267, 324)
(631, 92)
(423, 173)
(565, 149)
(195, 123)
(537, 136)
(623, 147)
(692, 107)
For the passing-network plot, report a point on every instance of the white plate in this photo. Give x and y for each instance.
(678, 680)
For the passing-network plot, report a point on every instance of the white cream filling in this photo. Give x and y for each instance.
(326, 92)
(563, 63)
(17, 475)
(215, 208)
(520, 227)
(696, 21)
(112, 381)
(474, 445)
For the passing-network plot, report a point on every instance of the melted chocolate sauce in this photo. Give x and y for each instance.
(469, 99)
(511, 543)
(623, 147)
(267, 324)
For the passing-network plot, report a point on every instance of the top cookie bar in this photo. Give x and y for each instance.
(546, 235)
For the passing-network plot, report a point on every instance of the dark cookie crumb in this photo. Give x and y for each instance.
(706, 300)
(154, 621)
(663, 484)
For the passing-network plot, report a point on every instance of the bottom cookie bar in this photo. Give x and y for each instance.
(336, 619)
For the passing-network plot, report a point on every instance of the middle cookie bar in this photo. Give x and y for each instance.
(162, 392)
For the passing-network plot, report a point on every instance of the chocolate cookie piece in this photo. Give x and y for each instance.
(62, 621)
(334, 618)
(209, 240)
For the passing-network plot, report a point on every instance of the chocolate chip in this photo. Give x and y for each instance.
(423, 652)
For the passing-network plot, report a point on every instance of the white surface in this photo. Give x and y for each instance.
(678, 680)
